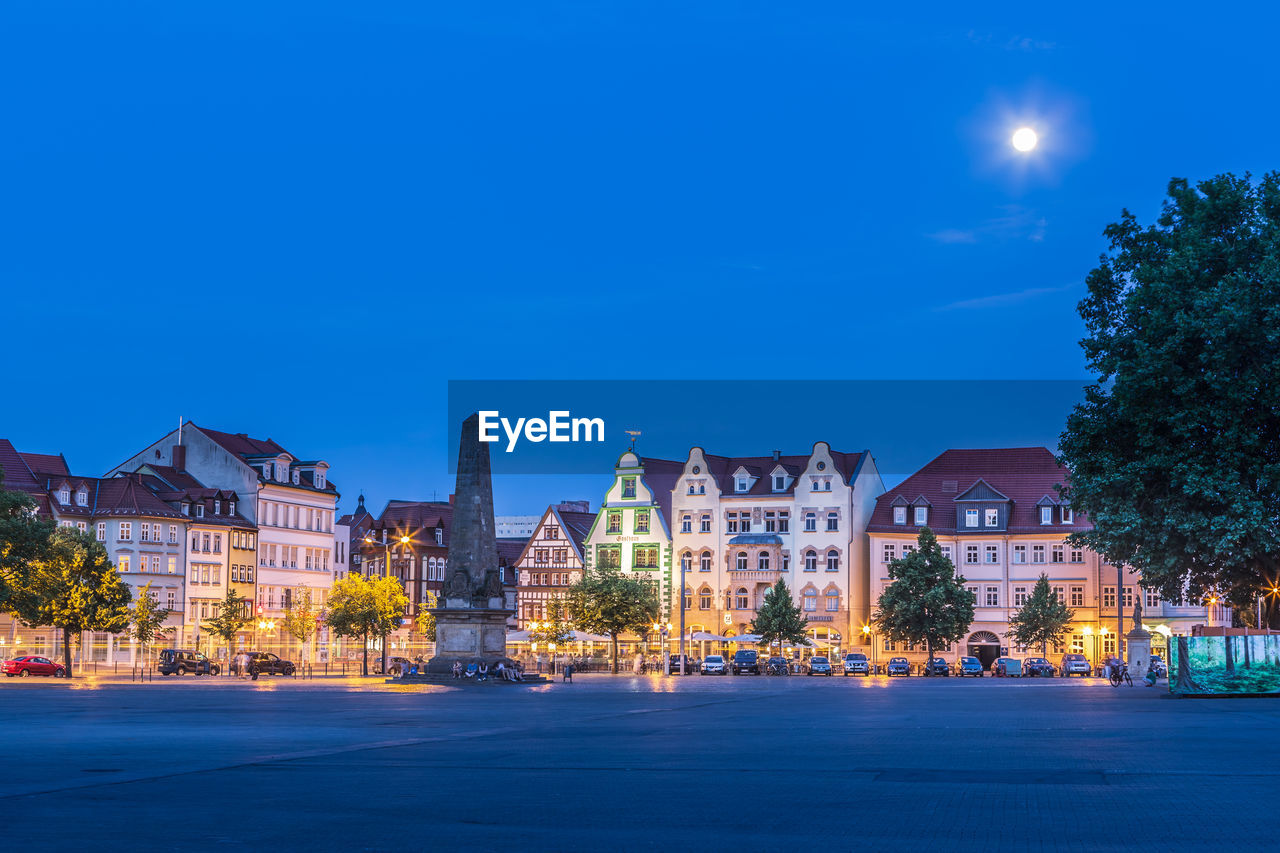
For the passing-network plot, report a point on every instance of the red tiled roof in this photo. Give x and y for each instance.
(722, 468)
(577, 526)
(17, 474)
(412, 516)
(44, 463)
(661, 476)
(1023, 474)
(241, 444)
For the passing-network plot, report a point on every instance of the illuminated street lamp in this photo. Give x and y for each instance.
(866, 635)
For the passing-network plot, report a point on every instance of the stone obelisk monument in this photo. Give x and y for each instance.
(471, 624)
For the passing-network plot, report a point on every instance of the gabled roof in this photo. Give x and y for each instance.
(661, 476)
(981, 491)
(257, 450)
(722, 468)
(44, 463)
(1020, 475)
(413, 516)
(18, 475)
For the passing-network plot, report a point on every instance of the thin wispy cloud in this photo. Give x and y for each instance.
(999, 299)
(1017, 223)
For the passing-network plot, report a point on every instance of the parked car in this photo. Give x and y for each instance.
(29, 665)
(745, 660)
(856, 663)
(264, 663)
(395, 665)
(1007, 668)
(1074, 664)
(819, 666)
(182, 661)
(1037, 668)
(713, 665)
(898, 666)
(938, 666)
(969, 666)
(689, 668)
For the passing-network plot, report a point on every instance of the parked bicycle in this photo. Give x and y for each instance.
(1120, 673)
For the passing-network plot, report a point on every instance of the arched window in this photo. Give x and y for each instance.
(705, 562)
(762, 561)
(833, 600)
(688, 598)
(833, 560)
(811, 561)
(742, 561)
(743, 602)
(810, 600)
(686, 561)
(810, 521)
(704, 598)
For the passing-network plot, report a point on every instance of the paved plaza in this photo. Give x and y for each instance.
(634, 763)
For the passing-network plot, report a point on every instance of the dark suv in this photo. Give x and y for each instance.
(264, 663)
(182, 661)
(745, 660)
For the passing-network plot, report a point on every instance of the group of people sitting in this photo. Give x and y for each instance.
(480, 671)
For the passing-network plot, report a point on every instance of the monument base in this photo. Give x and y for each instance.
(469, 636)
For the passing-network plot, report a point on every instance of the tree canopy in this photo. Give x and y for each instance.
(24, 540)
(1175, 452)
(926, 601)
(299, 620)
(361, 607)
(229, 618)
(554, 627)
(1042, 620)
(74, 587)
(607, 601)
(146, 618)
(779, 618)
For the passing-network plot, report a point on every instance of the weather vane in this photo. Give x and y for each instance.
(634, 433)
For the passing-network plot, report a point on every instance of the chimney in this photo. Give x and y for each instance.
(180, 457)
(450, 500)
(777, 454)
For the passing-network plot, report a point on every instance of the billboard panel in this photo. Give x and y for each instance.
(1207, 666)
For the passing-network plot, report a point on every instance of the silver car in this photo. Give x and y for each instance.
(713, 665)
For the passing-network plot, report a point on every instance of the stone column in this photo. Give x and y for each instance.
(1139, 651)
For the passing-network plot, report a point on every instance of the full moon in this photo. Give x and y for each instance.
(1024, 139)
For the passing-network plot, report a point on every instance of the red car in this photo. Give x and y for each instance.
(29, 665)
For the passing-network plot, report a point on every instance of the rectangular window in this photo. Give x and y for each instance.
(173, 534)
(833, 522)
(144, 532)
(1037, 553)
(779, 483)
(704, 525)
(1109, 597)
(1046, 515)
(126, 531)
(811, 522)
(215, 574)
(731, 523)
(1019, 596)
(1077, 644)
(1060, 593)
(970, 518)
(1128, 597)
(993, 518)
(155, 564)
(1077, 596)
(899, 515)
(609, 556)
(890, 552)
(646, 556)
(946, 551)
(102, 531)
(686, 524)
(746, 522)
(217, 543)
(993, 596)
(1066, 515)
(1077, 555)
(123, 564)
(628, 487)
(770, 522)
(993, 554)
(642, 521)
(1019, 553)
(922, 516)
(173, 565)
(971, 554)
(614, 522)
(784, 522)
(1056, 553)
(1153, 598)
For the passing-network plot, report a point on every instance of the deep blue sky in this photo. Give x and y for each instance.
(300, 220)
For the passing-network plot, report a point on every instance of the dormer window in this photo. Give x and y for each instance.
(899, 515)
(64, 496)
(82, 498)
(297, 476)
(1066, 515)
(217, 507)
(922, 516)
(993, 517)
(231, 507)
(186, 508)
(1046, 515)
(199, 510)
(779, 483)
(742, 484)
(439, 536)
(970, 518)
(266, 472)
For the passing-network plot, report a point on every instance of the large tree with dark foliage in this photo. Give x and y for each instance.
(1175, 452)
(926, 602)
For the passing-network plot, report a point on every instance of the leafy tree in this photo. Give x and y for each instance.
(779, 618)
(1043, 619)
(606, 601)
(427, 621)
(74, 587)
(1175, 451)
(300, 618)
(24, 540)
(361, 608)
(229, 617)
(146, 619)
(926, 601)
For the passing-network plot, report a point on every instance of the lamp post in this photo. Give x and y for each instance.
(866, 635)
(1087, 630)
(405, 539)
(683, 569)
